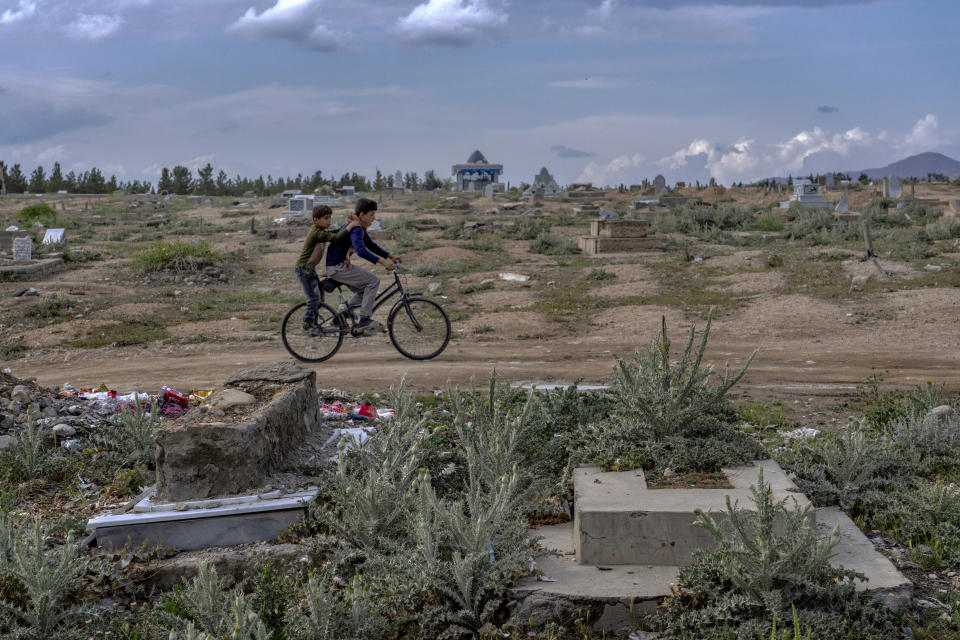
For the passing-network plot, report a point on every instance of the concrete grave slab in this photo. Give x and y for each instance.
(619, 521)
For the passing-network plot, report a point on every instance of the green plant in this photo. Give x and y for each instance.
(272, 593)
(526, 228)
(132, 441)
(769, 561)
(326, 613)
(554, 244)
(486, 285)
(928, 396)
(672, 398)
(172, 254)
(601, 275)
(37, 212)
(13, 349)
(483, 242)
(47, 577)
(850, 470)
(127, 331)
(205, 604)
(30, 452)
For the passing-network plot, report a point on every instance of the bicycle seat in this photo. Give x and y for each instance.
(329, 285)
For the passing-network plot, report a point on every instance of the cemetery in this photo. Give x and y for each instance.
(685, 418)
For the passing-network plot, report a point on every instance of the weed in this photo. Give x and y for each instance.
(30, 453)
(526, 228)
(205, 604)
(554, 244)
(484, 328)
(129, 331)
(600, 275)
(486, 285)
(13, 349)
(485, 242)
(132, 442)
(37, 212)
(172, 254)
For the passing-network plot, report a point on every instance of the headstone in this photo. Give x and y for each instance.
(659, 185)
(894, 187)
(828, 181)
(23, 249)
(885, 188)
(607, 214)
(913, 191)
(488, 191)
(843, 206)
(398, 180)
(713, 182)
(53, 236)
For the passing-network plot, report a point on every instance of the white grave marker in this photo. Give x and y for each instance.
(23, 248)
(53, 236)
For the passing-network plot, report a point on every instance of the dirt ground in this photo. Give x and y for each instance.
(813, 349)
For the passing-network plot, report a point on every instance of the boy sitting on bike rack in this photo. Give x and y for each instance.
(363, 283)
(313, 247)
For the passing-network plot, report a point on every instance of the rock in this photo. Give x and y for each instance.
(49, 412)
(228, 399)
(63, 430)
(21, 394)
(7, 443)
(6, 422)
(944, 416)
(75, 410)
(433, 287)
(201, 459)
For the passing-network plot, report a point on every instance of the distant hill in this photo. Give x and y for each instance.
(917, 166)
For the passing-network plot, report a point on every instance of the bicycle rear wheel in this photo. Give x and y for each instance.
(306, 346)
(419, 328)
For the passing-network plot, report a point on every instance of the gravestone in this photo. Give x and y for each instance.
(488, 191)
(894, 188)
(398, 180)
(23, 249)
(52, 236)
(829, 180)
(885, 188)
(843, 206)
(659, 185)
(713, 182)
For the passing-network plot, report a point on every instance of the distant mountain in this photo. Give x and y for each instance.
(917, 166)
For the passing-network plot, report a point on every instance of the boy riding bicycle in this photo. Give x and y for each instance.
(310, 257)
(363, 283)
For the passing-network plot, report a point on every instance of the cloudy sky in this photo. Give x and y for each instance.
(607, 91)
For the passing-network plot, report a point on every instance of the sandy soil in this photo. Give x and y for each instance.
(812, 351)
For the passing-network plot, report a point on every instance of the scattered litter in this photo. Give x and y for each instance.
(803, 433)
(514, 277)
(933, 267)
(354, 436)
(12, 227)
(545, 579)
(29, 291)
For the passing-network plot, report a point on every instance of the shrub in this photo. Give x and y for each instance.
(672, 398)
(172, 254)
(601, 275)
(37, 212)
(30, 452)
(767, 561)
(407, 238)
(928, 445)
(205, 605)
(327, 613)
(927, 513)
(554, 244)
(850, 470)
(526, 228)
(132, 442)
(13, 349)
(47, 577)
(484, 242)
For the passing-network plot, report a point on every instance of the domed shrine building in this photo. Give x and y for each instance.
(476, 173)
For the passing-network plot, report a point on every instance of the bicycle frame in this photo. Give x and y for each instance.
(396, 287)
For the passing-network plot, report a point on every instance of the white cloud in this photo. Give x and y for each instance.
(746, 160)
(25, 9)
(295, 20)
(924, 136)
(452, 23)
(605, 9)
(93, 27)
(614, 172)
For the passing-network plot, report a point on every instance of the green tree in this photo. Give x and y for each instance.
(864, 179)
(182, 180)
(205, 185)
(38, 181)
(166, 181)
(378, 182)
(70, 182)
(56, 181)
(223, 183)
(431, 181)
(93, 182)
(16, 181)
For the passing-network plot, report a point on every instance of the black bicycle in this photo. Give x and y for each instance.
(419, 328)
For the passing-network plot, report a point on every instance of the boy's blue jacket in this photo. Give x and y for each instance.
(362, 245)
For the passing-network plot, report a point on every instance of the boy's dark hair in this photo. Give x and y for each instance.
(322, 210)
(364, 205)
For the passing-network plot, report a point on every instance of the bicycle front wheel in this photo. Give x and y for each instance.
(419, 328)
(319, 345)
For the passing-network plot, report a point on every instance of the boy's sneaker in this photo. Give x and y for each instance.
(311, 329)
(368, 325)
